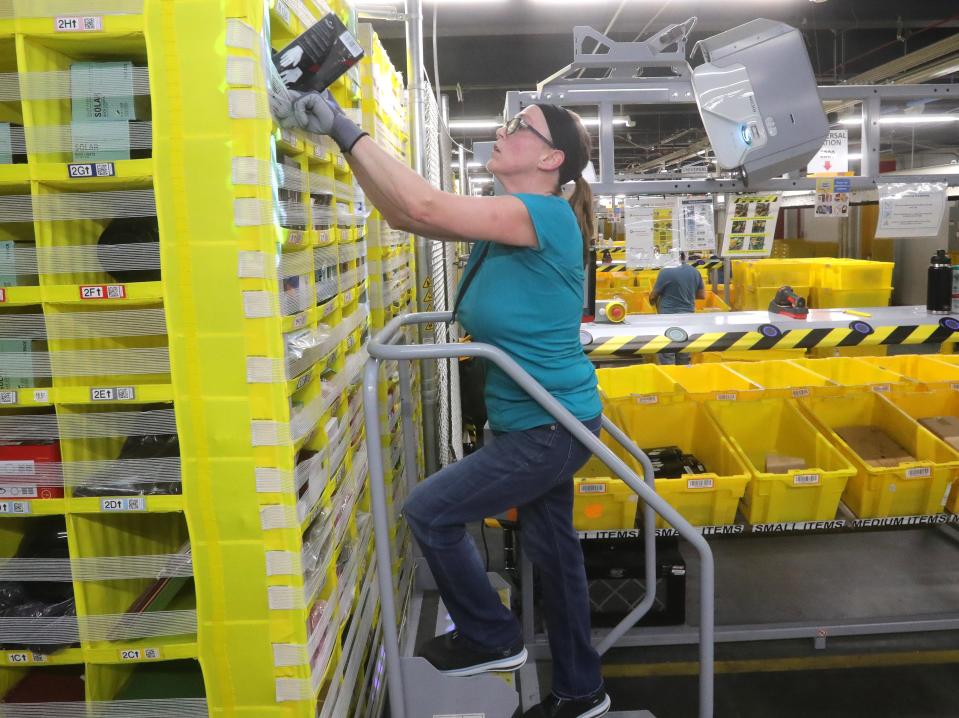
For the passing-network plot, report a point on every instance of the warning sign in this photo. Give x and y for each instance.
(428, 283)
(833, 156)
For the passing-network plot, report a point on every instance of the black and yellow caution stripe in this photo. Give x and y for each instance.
(621, 266)
(625, 345)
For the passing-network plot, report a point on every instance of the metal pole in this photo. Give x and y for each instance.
(869, 164)
(409, 431)
(381, 535)
(464, 175)
(606, 143)
(415, 75)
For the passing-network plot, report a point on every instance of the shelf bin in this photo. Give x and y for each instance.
(854, 375)
(829, 298)
(644, 383)
(776, 426)
(784, 379)
(927, 404)
(710, 381)
(703, 499)
(601, 501)
(911, 488)
(927, 371)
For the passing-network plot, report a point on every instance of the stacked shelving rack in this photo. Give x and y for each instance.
(184, 309)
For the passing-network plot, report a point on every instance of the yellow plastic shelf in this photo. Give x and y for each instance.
(18, 658)
(143, 394)
(146, 650)
(135, 293)
(14, 174)
(20, 296)
(129, 174)
(120, 504)
(115, 27)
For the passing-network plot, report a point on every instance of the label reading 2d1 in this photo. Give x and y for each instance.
(89, 23)
(137, 503)
(103, 291)
(96, 169)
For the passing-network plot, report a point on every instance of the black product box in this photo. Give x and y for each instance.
(318, 57)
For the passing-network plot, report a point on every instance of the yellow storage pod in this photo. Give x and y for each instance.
(773, 430)
(645, 383)
(748, 355)
(928, 404)
(927, 371)
(853, 374)
(829, 298)
(848, 274)
(909, 488)
(705, 382)
(703, 499)
(784, 379)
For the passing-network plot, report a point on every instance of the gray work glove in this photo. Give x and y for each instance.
(281, 105)
(320, 114)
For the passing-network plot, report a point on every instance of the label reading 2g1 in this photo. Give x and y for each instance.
(96, 169)
(89, 23)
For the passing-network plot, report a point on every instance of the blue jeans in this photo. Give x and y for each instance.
(672, 358)
(533, 471)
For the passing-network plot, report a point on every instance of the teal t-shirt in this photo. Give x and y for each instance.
(677, 288)
(528, 301)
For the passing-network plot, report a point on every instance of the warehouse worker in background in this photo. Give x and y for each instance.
(675, 292)
(522, 291)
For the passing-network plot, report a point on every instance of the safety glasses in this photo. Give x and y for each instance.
(518, 123)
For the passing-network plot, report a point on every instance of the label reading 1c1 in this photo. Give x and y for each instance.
(97, 169)
(21, 657)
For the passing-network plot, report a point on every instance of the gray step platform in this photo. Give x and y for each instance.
(629, 714)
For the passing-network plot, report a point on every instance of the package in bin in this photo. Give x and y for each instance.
(318, 57)
(669, 462)
(22, 466)
(116, 249)
(45, 538)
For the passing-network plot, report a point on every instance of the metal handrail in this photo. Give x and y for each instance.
(381, 348)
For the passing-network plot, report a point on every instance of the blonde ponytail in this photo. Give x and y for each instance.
(582, 203)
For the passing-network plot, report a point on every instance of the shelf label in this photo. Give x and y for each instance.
(296, 238)
(302, 381)
(88, 23)
(805, 479)
(140, 654)
(21, 657)
(283, 11)
(799, 393)
(299, 321)
(882, 388)
(648, 399)
(727, 396)
(14, 507)
(119, 393)
(95, 169)
(136, 503)
(3, 295)
(17, 468)
(919, 472)
(41, 396)
(699, 484)
(289, 137)
(103, 291)
(8, 397)
(955, 387)
(592, 488)
(351, 44)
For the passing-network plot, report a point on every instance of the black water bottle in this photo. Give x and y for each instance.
(939, 284)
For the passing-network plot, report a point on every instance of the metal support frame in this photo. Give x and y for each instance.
(436, 692)
(625, 86)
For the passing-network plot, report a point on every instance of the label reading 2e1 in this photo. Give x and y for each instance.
(96, 169)
(90, 23)
(119, 393)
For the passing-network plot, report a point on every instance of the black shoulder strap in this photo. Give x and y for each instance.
(468, 279)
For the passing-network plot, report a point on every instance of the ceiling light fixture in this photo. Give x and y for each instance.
(904, 120)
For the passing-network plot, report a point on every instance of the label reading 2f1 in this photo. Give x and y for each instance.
(132, 504)
(103, 291)
(96, 169)
(88, 23)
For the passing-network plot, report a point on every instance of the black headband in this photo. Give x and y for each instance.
(565, 134)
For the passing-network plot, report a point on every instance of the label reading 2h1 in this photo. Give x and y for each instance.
(89, 23)
(95, 169)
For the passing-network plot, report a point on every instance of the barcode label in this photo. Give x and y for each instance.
(140, 654)
(119, 393)
(805, 479)
(89, 23)
(882, 388)
(17, 468)
(919, 472)
(103, 291)
(301, 382)
(18, 492)
(132, 504)
(592, 488)
(727, 396)
(296, 237)
(21, 657)
(647, 399)
(14, 507)
(41, 396)
(351, 44)
(799, 393)
(3, 295)
(8, 397)
(98, 169)
(289, 137)
(955, 387)
(699, 483)
(299, 321)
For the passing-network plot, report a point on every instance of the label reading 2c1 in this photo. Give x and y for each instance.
(95, 169)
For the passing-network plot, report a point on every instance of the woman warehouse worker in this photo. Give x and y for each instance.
(522, 291)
